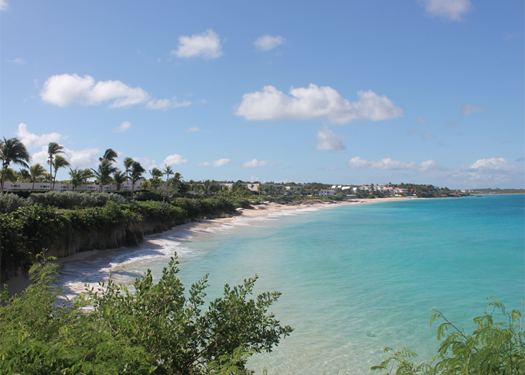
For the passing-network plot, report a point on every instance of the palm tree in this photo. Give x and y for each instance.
(136, 171)
(103, 172)
(53, 149)
(156, 173)
(77, 177)
(12, 151)
(23, 174)
(119, 177)
(109, 155)
(59, 162)
(36, 171)
(167, 171)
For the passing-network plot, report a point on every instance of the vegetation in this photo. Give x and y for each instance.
(12, 151)
(158, 329)
(494, 347)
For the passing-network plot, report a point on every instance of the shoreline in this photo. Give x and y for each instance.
(19, 283)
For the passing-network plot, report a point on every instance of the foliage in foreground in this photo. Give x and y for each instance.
(494, 347)
(158, 329)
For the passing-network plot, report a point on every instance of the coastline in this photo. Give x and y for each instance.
(19, 283)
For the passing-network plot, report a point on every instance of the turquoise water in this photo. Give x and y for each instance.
(358, 278)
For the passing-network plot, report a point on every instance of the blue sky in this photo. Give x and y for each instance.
(346, 92)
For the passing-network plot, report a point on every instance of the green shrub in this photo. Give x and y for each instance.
(10, 203)
(494, 347)
(145, 195)
(159, 329)
(191, 206)
(70, 199)
(158, 210)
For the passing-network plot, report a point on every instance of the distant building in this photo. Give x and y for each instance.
(326, 192)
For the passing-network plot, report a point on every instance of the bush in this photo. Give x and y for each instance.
(493, 348)
(10, 203)
(145, 195)
(159, 329)
(191, 206)
(161, 211)
(71, 199)
(26, 193)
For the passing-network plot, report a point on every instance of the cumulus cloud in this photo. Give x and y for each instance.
(446, 9)
(216, 163)
(207, 45)
(257, 163)
(175, 159)
(328, 140)
(3, 5)
(30, 139)
(389, 164)
(123, 127)
(421, 120)
(164, 104)
(87, 158)
(64, 89)
(471, 108)
(193, 129)
(18, 60)
(491, 172)
(306, 103)
(268, 42)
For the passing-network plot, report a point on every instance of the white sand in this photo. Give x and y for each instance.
(19, 283)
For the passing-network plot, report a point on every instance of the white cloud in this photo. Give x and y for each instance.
(313, 102)
(123, 127)
(87, 158)
(471, 108)
(30, 139)
(64, 89)
(164, 104)
(328, 140)
(421, 120)
(446, 9)
(174, 159)
(3, 5)
(389, 164)
(490, 172)
(216, 163)
(268, 42)
(257, 163)
(207, 45)
(494, 163)
(193, 129)
(18, 60)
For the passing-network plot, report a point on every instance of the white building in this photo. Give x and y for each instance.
(326, 192)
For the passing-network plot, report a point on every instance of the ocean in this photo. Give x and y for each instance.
(354, 278)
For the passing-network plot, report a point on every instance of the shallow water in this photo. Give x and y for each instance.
(354, 278)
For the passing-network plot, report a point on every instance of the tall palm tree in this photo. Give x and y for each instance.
(109, 155)
(12, 151)
(36, 171)
(156, 173)
(119, 177)
(59, 162)
(136, 171)
(167, 171)
(103, 172)
(53, 149)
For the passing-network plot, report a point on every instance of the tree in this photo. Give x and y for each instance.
(103, 172)
(492, 348)
(134, 171)
(59, 162)
(80, 176)
(53, 149)
(119, 177)
(12, 151)
(157, 329)
(167, 171)
(109, 155)
(23, 174)
(36, 171)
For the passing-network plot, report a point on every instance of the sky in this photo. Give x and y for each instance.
(340, 92)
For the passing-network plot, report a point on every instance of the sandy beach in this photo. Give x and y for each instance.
(19, 283)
